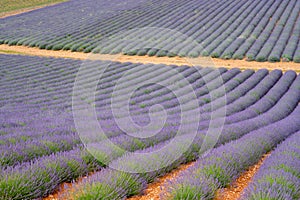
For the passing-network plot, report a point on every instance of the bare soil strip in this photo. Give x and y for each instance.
(24, 10)
(152, 192)
(65, 188)
(155, 189)
(203, 61)
(234, 191)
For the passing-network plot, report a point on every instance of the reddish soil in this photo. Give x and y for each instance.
(234, 191)
(152, 192)
(64, 189)
(155, 189)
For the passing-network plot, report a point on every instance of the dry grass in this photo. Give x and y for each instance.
(13, 7)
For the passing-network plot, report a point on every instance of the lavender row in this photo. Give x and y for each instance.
(44, 85)
(20, 123)
(242, 88)
(46, 145)
(228, 47)
(283, 107)
(252, 32)
(159, 159)
(223, 165)
(181, 92)
(262, 38)
(39, 178)
(292, 45)
(148, 149)
(245, 109)
(116, 178)
(278, 177)
(283, 40)
(19, 152)
(170, 130)
(252, 107)
(185, 29)
(269, 45)
(237, 102)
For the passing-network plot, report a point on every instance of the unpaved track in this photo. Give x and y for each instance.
(234, 191)
(157, 188)
(242, 64)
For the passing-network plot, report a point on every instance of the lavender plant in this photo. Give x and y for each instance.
(278, 177)
(232, 29)
(224, 164)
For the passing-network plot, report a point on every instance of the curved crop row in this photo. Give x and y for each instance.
(224, 164)
(133, 162)
(37, 125)
(278, 177)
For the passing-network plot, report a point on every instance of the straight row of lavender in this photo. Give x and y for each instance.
(185, 29)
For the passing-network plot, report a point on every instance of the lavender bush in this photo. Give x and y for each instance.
(39, 147)
(133, 163)
(224, 164)
(278, 177)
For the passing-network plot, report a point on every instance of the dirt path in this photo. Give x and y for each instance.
(242, 64)
(155, 189)
(151, 193)
(65, 188)
(235, 190)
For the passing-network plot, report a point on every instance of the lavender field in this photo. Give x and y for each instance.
(42, 145)
(261, 30)
(150, 100)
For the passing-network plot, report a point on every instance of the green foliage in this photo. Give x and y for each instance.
(261, 59)
(193, 54)
(171, 54)
(187, 192)
(57, 47)
(218, 173)
(142, 52)
(204, 53)
(238, 56)
(250, 57)
(297, 59)
(152, 52)
(142, 105)
(215, 55)
(96, 191)
(274, 59)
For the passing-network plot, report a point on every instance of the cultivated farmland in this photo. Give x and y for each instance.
(258, 30)
(41, 89)
(86, 113)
